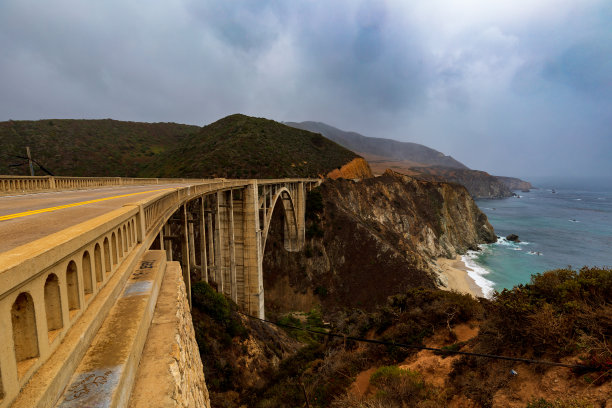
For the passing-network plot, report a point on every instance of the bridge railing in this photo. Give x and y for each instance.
(46, 286)
(25, 184)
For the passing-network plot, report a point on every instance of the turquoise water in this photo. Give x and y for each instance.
(572, 227)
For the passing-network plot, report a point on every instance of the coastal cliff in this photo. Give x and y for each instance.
(514, 183)
(370, 239)
(480, 184)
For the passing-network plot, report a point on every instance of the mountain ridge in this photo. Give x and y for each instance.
(389, 148)
(418, 161)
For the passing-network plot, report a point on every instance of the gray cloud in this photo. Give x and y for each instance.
(514, 88)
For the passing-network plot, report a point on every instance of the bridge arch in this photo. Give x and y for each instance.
(98, 260)
(120, 242)
(25, 338)
(107, 258)
(53, 305)
(86, 268)
(114, 249)
(72, 287)
(290, 222)
(126, 244)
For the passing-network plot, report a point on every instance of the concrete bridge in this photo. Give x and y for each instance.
(83, 259)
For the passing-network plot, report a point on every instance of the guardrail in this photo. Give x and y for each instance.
(48, 284)
(25, 184)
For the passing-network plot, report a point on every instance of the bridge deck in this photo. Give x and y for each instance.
(26, 228)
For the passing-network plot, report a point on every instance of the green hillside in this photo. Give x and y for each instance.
(236, 146)
(87, 147)
(240, 146)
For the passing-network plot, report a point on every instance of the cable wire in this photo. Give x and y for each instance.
(414, 346)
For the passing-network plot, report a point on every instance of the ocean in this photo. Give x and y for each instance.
(571, 227)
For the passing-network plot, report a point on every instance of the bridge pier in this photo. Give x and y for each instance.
(185, 251)
(202, 236)
(252, 253)
(222, 236)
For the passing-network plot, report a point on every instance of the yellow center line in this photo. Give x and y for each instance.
(61, 207)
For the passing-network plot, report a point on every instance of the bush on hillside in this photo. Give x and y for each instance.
(560, 313)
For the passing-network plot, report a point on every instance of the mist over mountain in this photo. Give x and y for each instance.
(417, 161)
(387, 148)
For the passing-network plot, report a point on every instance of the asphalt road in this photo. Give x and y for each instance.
(26, 218)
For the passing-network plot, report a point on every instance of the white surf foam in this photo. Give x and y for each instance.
(478, 273)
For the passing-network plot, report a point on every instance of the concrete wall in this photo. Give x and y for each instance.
(170, 372)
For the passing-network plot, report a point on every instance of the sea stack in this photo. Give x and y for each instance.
(513, 238)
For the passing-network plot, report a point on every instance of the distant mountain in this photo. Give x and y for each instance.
(236, 146)
(418, 161)
(387, 148)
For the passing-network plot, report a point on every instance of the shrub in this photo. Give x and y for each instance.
(314, 230)
(314, 204)
(542, 403)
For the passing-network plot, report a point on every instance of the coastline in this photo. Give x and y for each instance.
(456, 276)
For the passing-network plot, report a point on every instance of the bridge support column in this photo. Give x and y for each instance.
(252, 253)
(232, 248)
(191, 241)
(211, 243)
(168, 246)
(185, 251)
(202, 226)
(300, 202)
(239, 233)
(221, 251)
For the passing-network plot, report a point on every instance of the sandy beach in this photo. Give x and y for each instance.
(455, 272)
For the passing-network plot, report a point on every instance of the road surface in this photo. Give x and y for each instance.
(26, 218)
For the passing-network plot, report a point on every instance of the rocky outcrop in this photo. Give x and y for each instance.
(372, 238)
(480, 184)
(514, 183)
(355, 169)
(238, 353)
(513, 238)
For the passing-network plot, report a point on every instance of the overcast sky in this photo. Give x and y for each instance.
(521, 87)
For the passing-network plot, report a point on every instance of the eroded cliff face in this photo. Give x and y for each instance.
(480, 184)
(514, 183)
(369, 240)
(355, 169)
(238, 354)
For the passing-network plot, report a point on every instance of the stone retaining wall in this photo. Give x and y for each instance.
(170, 372)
